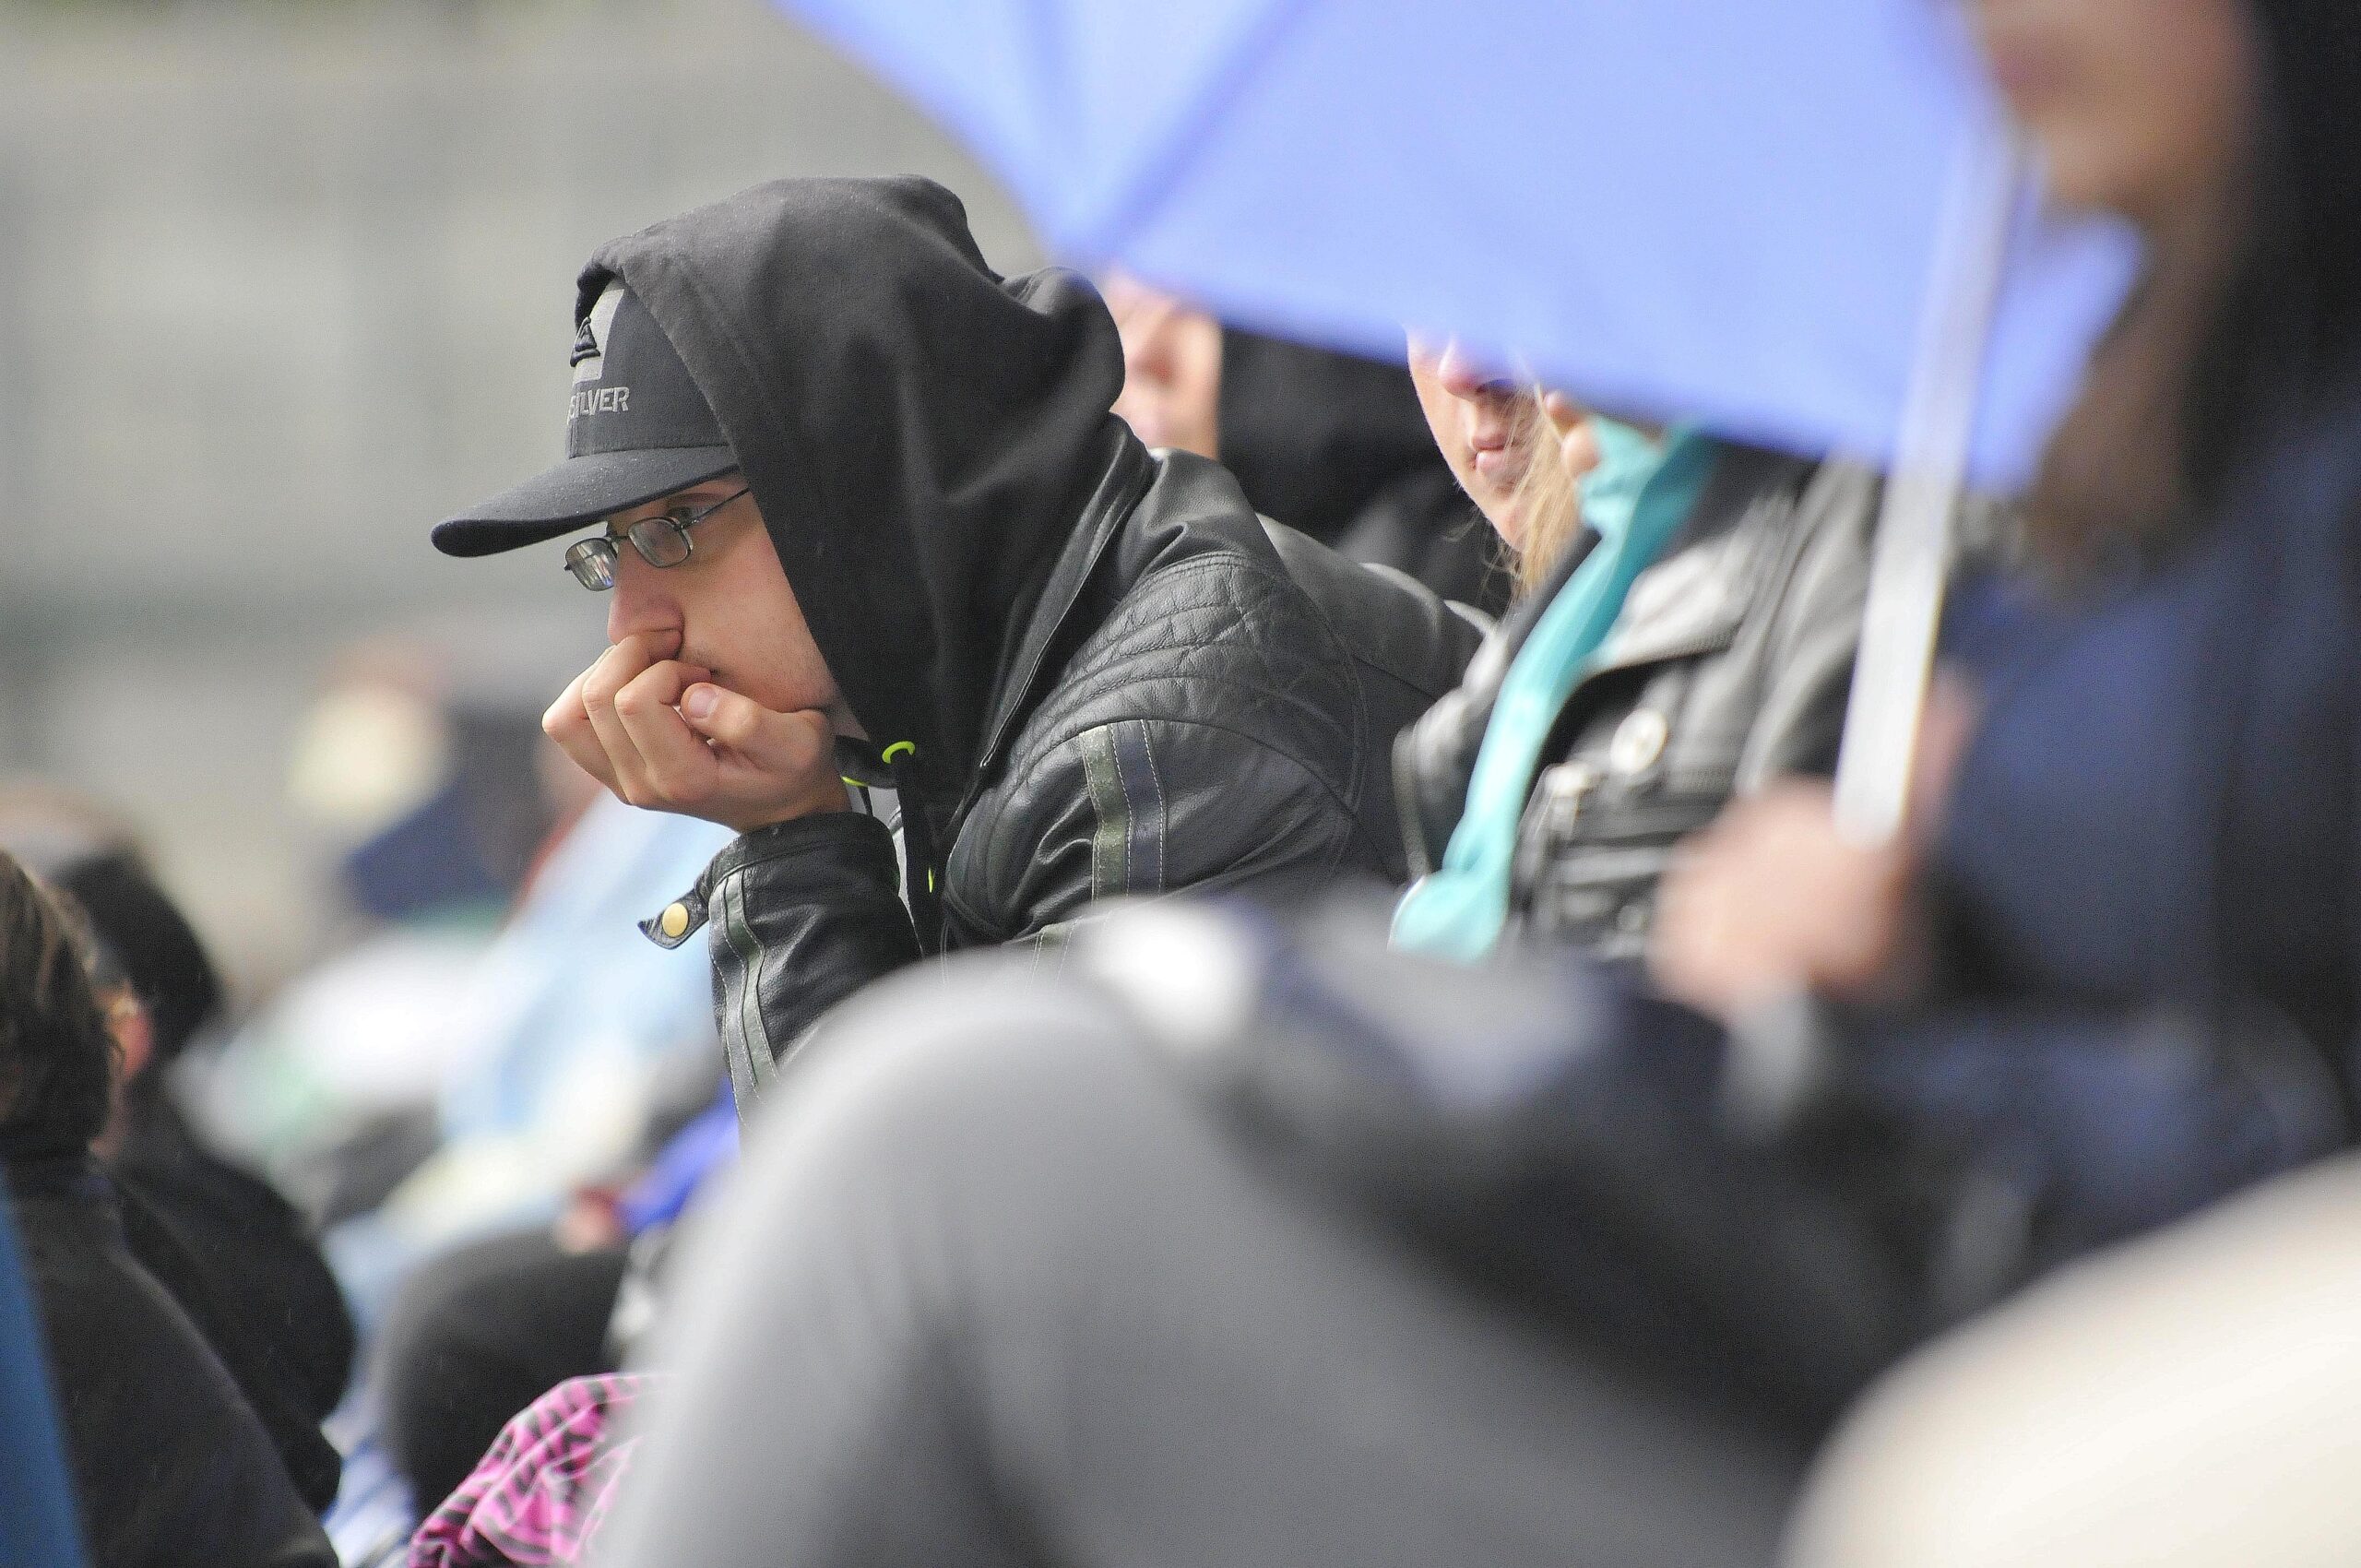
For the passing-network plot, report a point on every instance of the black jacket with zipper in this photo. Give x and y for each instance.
(1095, 670)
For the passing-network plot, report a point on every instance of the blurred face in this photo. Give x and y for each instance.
(729, 604)
(2138, 106)
(1484, 424)
(134, 1040)
(1172, 369)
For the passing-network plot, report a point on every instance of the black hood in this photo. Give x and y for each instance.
(920, 433)
(1315, 436)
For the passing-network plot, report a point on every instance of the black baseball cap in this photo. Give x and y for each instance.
(637, 428)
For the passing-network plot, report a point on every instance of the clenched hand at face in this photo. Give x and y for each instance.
(660, 735)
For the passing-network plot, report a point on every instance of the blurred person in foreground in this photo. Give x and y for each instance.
(863, 513)
(2190, 1401)
(169, 1465)
(1329, 444)
(234, 1253)
(1524, 1265)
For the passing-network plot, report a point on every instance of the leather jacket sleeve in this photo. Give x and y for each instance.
(804, 913)
(1142, 806)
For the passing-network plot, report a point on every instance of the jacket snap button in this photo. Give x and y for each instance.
(1638, 742)
(674, 920)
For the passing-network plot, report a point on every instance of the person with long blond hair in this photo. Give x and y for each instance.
(1725, 586)
(1498, 442)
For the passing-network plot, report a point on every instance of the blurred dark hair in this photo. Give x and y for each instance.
(57, 1056)
(86, 853)
(138, 926)
(2220, 347)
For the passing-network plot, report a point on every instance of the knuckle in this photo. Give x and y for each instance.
(605, 681)
(666, 779)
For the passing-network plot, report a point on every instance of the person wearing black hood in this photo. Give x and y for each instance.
(866, 512)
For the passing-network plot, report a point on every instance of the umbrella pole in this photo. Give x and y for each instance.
(1911, 556)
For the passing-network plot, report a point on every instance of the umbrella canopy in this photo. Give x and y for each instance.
(1720, 209)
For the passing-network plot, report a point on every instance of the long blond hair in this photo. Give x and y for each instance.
(1545, 500)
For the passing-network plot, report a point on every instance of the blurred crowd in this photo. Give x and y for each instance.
(1155, 943)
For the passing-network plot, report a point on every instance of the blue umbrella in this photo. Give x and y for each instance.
(1720, 209)
(1795, 223)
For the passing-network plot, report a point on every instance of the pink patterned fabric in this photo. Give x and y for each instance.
(545, 1486)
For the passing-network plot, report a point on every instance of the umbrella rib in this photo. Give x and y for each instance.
(1908, 561)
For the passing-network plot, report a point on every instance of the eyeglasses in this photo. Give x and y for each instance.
(662, 541)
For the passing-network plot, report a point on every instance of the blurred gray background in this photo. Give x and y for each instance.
(283, 284)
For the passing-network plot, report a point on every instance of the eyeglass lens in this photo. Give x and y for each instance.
(662, 541)
(592, 562)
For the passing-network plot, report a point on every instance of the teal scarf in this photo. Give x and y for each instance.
(1633, 500)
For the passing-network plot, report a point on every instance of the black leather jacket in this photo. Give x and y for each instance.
(1729, 667)
(1202, 700)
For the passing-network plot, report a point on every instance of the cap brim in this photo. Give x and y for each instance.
(579, 490)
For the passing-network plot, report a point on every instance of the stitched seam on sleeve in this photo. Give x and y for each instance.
(752, 1046)
(1163, 810)
(1111, 844)
(1144, 851)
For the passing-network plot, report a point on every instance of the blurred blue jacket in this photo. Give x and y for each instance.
(570, 983)
(2149, 979)
(37, 1527)
(2147, 878)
